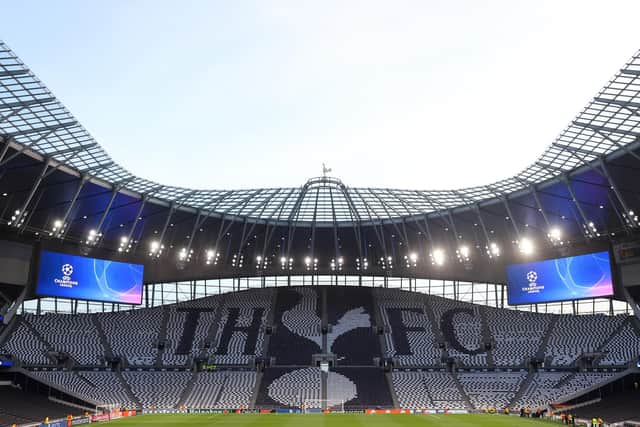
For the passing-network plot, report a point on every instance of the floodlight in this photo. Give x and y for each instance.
(526, 246)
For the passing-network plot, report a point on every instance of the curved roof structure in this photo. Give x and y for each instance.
(35, 122)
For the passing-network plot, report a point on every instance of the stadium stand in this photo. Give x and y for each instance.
(516, 335)
(622, 347)
(133, 335)
(75, 335)
(461, 325)
(99, 387)
(547, 387)
(282, 387)
(298, 326)
(235, 325)
(241, 328)
(342, 389)
(574, 335)
(148, 388)
(25, 346)
(491, 389)
(221, 390)
(370, 384)
(409, 338)
(175, 328)
(428, 390)
(350, 314)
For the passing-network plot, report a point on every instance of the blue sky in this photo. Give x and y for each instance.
(236, 94)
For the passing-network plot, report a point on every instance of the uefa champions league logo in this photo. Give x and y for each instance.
(533, 287)
(66, 281)
(67, 269)
(532, 276)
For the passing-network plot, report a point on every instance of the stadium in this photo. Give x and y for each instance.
(131, 302)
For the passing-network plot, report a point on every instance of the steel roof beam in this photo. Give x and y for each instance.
(14, 73)
(22, 104)
(629, 105)
(630, 72)
(600, 129)
(137, 219)
(64, 228)
(50, 128)
(614, 187)
(565, 180)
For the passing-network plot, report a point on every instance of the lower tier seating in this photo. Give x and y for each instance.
(100, 387)
(491, 389)
(372, 389)
(157, 389)
(221, 390)
(427, 390)
(549, 387)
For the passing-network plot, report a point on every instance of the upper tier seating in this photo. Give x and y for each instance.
(467, 330)
(240, 331)
(350, 314)
(297, 334)
(623, 347)
(152, 390)
(517, 335)
(427, 390)
(175, 329)
(230, 329)
(575, 335)
(133, 335)
(491, 389)
(409, 338)
(26, 346)
(73, 334)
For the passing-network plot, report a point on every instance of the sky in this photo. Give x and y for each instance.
(395, 94)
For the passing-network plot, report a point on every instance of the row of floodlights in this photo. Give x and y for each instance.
(437, 256)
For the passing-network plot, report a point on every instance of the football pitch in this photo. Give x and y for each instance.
(325, 420)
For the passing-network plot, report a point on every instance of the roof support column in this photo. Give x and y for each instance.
(7, 143)
(135, 223)
(484, 229)
(614, 187)
(505, 202)
(534, 191)
(20, 215)
(114, 194)
(64, 227)
(164, 230)
(585, 222)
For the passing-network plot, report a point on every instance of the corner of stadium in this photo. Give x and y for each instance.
(131, 302)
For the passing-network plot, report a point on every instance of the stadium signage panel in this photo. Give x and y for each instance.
(77, 277)
(560, 279)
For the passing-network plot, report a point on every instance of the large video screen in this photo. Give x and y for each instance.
(78, 277)
(560, 279)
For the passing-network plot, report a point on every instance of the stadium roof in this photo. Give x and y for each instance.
(35, 122)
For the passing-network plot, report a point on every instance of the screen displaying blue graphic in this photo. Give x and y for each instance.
(560, 279)
(78, 277)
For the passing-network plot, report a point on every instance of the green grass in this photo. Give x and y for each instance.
(332, 420)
